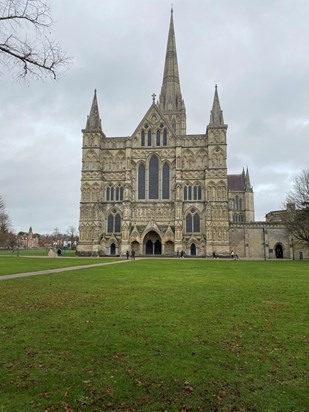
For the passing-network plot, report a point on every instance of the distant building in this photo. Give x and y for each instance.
(28, 240)
(161, 191)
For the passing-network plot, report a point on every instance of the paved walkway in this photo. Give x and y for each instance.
(58, 270)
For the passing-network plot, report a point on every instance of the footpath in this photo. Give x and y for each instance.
(58, 270)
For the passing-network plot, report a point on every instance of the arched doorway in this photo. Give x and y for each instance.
(157, 247)
(169, 248)
(149, 247)
(113, 249)
(135, 247)
(193, 249)
(279, 251)
(152, 244)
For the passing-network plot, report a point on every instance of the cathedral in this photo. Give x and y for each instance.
(162, 191)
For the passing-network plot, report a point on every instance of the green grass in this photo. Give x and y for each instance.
(33, 252)
(156, 335)
(12, 265)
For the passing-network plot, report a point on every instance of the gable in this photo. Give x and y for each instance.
(154, 120)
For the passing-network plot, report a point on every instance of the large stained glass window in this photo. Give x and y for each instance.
(193, 222)
(141, 181)
(114, 223)
(154, 178)
(166, 181)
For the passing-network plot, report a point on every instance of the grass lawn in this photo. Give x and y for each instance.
(33, 252)
(157, 335)
(11, 264)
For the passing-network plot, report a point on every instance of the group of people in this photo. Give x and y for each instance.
(180, 254)
(132, 255)
(234, 255)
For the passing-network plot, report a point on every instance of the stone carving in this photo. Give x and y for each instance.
(156, 212)
(193, 175)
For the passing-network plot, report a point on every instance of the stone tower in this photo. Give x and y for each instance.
(217, 219)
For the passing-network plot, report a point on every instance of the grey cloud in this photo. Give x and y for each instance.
(257, 55)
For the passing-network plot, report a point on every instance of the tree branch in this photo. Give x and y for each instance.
(23, 43)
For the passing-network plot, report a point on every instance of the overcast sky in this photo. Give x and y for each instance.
(257, 52)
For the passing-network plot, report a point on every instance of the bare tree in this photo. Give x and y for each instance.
(5, 223)
(25, 43)
(57, 237)
(296, 215)
(72, 235)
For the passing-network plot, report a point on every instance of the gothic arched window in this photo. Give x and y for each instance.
(189, 193)
(193, 222)
(141, 181)
(153, 178)
(158, 138)
(114, 223)
(114, 194)
(117, 223)
(149, 138)
(108, 193)
(164, 137)
(196, 223)
(166, 182)
(110, 223)
(119, 193)
(238, 202)
(142, 138)
(199, 192)
(189, 223)
(195, 192)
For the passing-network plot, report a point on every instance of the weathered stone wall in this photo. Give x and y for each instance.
(264, 240)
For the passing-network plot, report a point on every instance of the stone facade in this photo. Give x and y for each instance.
(161, 191)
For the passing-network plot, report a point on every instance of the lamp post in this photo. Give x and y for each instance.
(264, 243)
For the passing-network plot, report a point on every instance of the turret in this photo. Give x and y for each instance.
(216, 114)
(93, 120)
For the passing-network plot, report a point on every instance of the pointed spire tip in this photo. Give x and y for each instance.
(93, 119)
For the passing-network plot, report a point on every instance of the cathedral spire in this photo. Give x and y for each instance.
(171, 74)
(170, 100)
(216, 115)
(93, 120)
